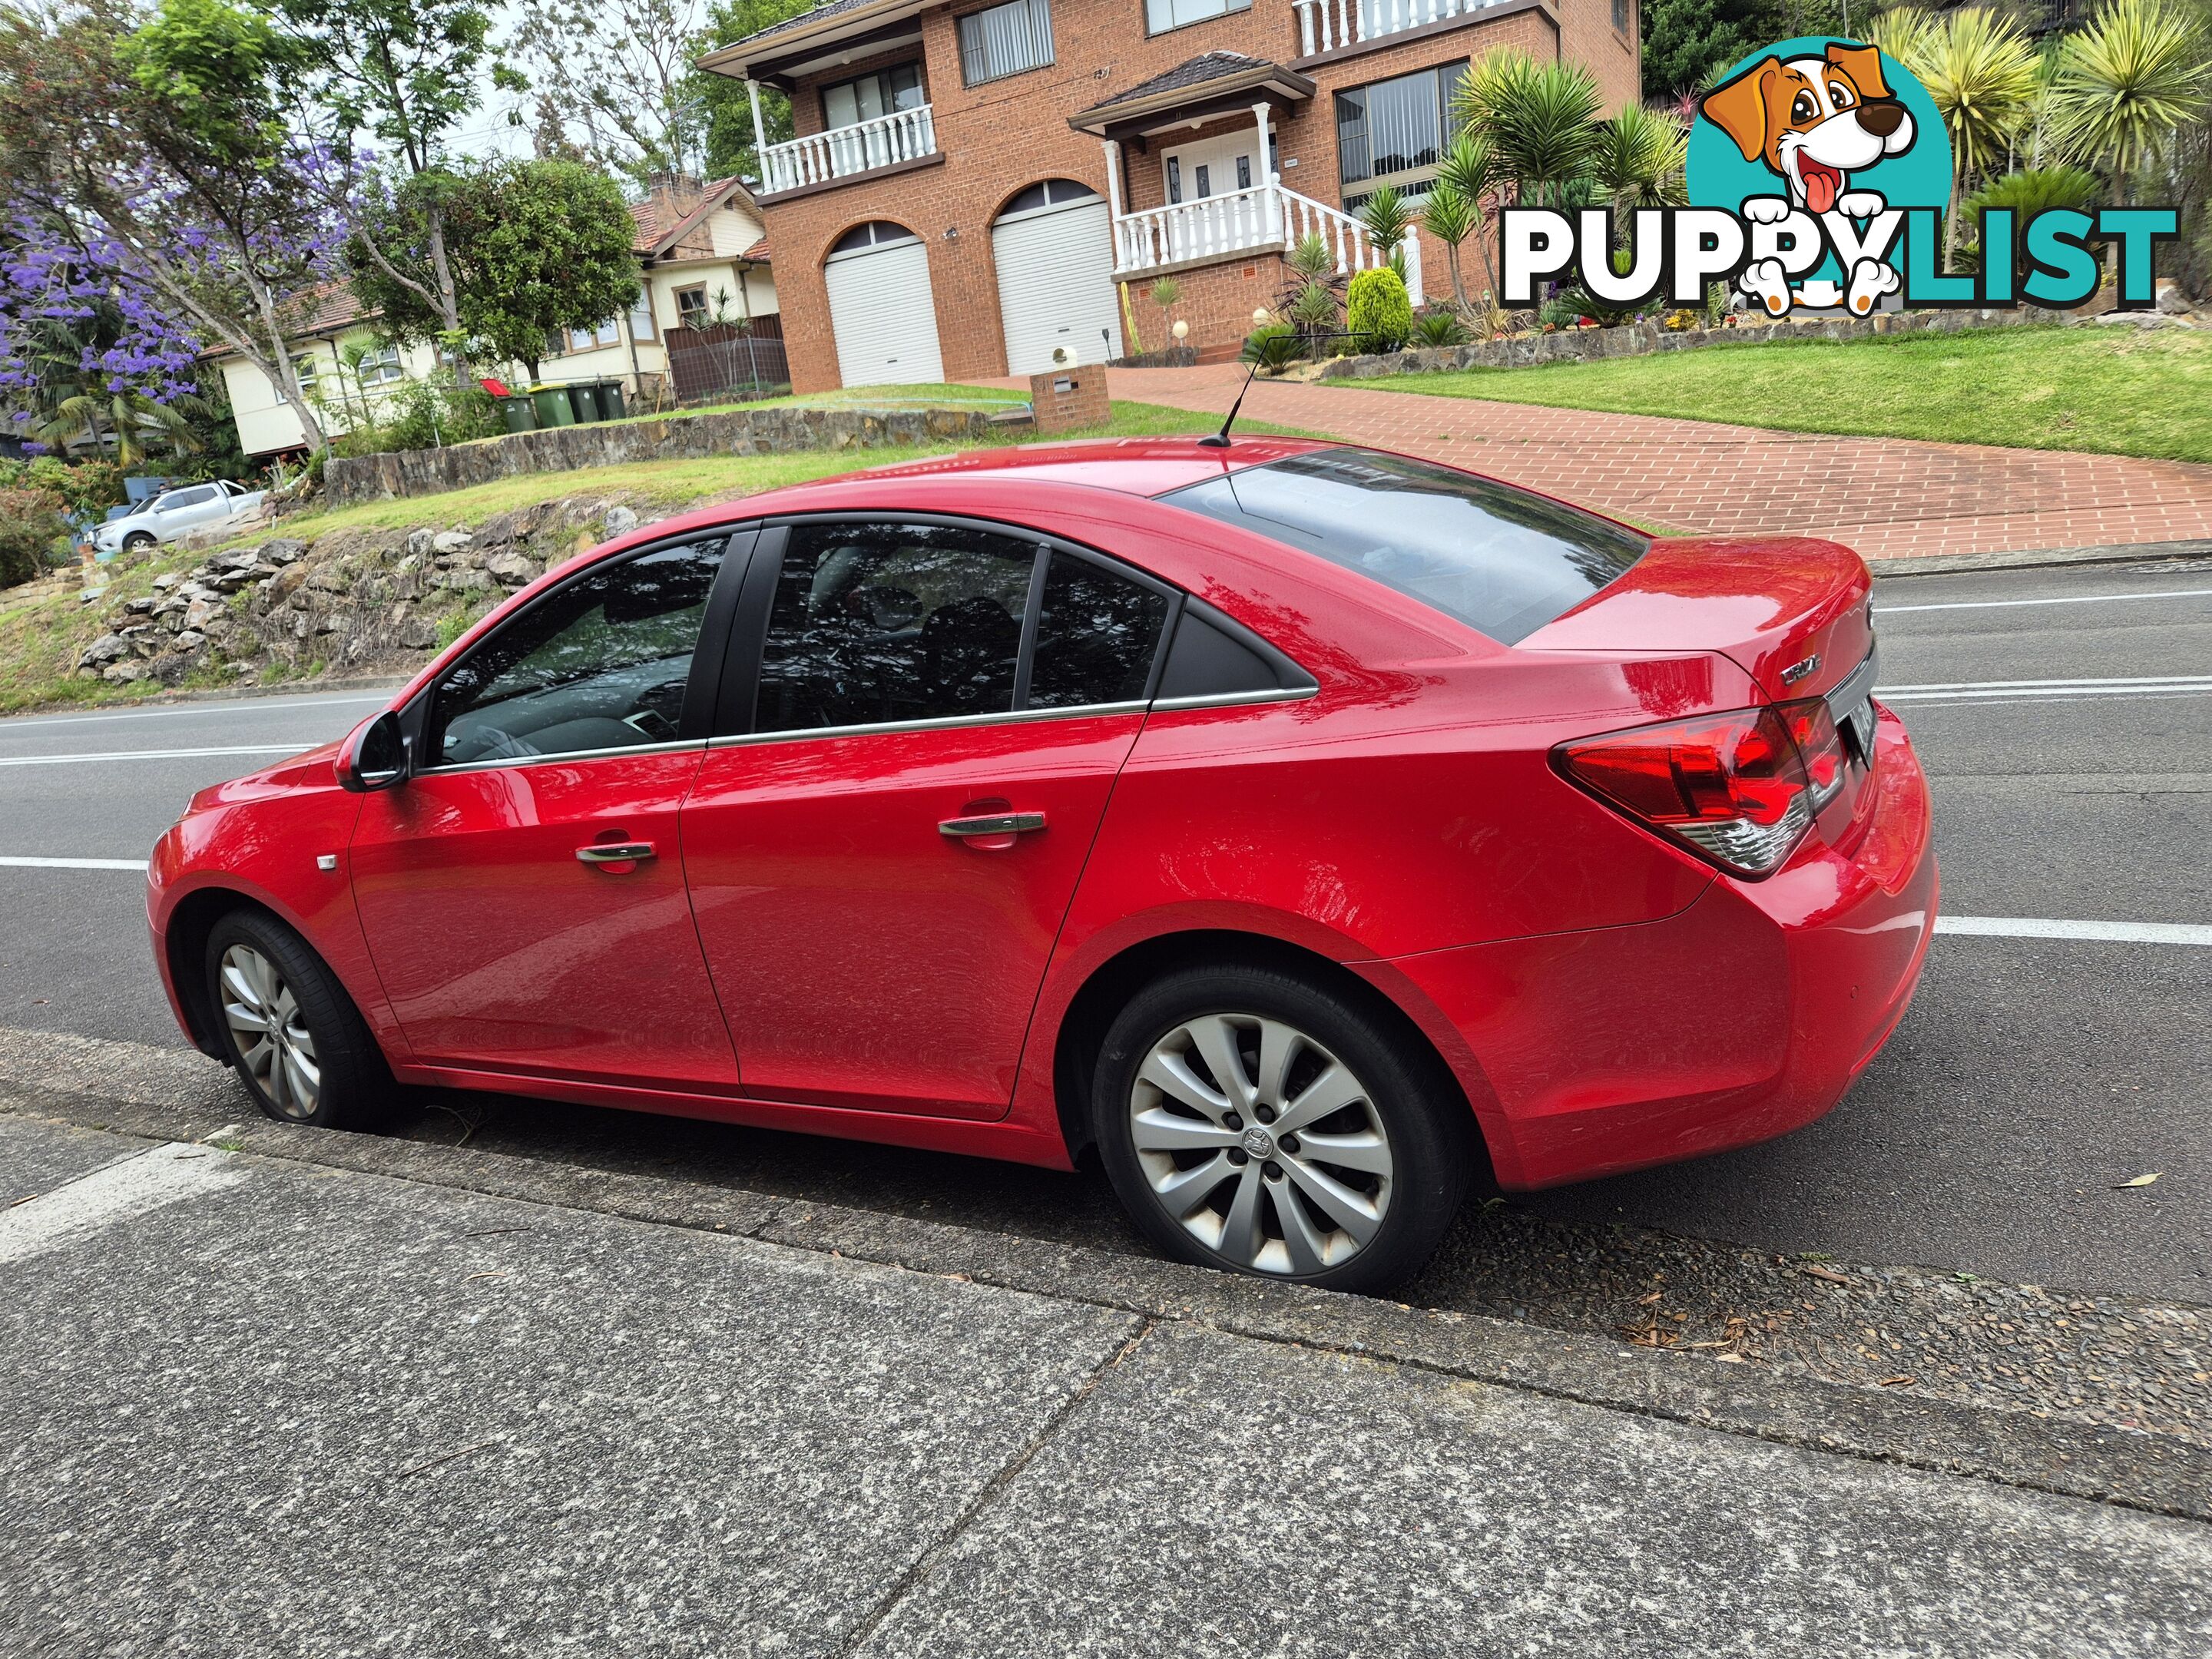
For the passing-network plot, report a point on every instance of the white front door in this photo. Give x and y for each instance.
(1055, 265)
(1213, 166)
(883, 314)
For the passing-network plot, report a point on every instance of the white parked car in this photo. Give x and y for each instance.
(174, 515)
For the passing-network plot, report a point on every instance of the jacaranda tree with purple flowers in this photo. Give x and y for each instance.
(165, 140)
(86, 346)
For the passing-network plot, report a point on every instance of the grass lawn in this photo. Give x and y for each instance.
(43, 632)
(2109, 389)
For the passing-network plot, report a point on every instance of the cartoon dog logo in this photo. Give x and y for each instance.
(1813, 122)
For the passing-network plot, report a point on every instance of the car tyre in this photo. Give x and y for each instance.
(1336, 1153)
(138, 543)
(290, 1030)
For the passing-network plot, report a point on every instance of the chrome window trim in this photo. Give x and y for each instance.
(1014, 717)
(1234, 699)
(678, 747)
(880, 728)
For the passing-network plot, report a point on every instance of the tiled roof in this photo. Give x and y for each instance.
(827, 9)
(325, 306)
(647, 216)
(715, 195)
(757, 250)
(1192, 72)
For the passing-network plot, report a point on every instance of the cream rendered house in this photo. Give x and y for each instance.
(703, 261)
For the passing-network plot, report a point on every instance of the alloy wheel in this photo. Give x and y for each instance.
(270, 1033)
(1261, 1144)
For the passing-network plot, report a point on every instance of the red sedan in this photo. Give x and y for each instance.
(1307, 830)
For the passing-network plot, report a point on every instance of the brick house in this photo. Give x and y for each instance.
(975, 182)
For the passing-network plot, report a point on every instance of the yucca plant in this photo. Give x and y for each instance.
(2126, 83)
(1385, 219)
(1979, 70)
(1638, 158)
(1540, 119)
(1449, 216)
(1470, 170)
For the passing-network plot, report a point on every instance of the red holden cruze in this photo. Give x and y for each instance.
(1302, 828)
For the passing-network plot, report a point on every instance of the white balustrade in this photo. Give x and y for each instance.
(1325, 25)
(904, 135)
(1266, 217)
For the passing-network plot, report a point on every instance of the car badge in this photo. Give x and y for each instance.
(1797, 670)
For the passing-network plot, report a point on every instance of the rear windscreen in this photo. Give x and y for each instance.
(1493, 556)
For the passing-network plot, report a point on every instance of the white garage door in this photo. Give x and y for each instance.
(1054, 250)
(880, 308)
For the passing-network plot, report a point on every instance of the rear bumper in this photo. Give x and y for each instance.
(1744, 1016)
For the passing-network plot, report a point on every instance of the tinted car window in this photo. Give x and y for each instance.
(600, 663)
(1098, 633)
(1493, 556)
(876, 622)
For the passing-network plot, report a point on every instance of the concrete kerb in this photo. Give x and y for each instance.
(2132, 1470)
(1945, 564)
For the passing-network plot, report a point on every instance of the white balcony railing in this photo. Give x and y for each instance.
(1325, 25)
(1264, 218)
(904, 135)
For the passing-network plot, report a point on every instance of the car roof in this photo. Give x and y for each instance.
(1132, 466)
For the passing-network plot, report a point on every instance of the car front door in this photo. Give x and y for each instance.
(925, 723)
(186, 509)
(522, 892)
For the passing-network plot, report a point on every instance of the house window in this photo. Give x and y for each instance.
(1620, 16)
(866, 96)
(691, 307)
(640, 318)
(381, 367)
(1390, 132)
(590, 339)
(305, 369)
(1161, 15)
(1005, 40)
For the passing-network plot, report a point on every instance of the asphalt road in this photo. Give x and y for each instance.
(2033, 1075)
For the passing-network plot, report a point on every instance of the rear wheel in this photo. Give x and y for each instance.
(1252, 1120)
(300, 1046)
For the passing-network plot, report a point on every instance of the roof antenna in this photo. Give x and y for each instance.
(1272, 352)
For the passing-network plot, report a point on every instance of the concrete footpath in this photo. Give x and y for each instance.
(273, 1391)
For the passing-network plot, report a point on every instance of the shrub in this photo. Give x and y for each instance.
(1271, 344)
(1381, 315)
(30, 525)
(1440, 327)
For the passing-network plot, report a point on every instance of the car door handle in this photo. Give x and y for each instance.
(992, 823)
(627, 852)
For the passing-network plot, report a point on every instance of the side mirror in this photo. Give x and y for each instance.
(376, 758)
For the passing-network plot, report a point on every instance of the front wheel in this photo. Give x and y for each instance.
(138, 543)
(1253, 1121)
(298, 1044)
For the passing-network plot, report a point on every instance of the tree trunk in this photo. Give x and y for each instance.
(1482, 241)
(449, 304)
(1458, 283)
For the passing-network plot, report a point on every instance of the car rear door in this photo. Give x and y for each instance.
(923, 720)
(522, 892)
(187, 509)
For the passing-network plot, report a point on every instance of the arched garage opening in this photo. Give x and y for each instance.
(1054, 248)
(881, 311)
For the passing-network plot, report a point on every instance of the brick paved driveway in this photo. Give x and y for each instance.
(1888, 497)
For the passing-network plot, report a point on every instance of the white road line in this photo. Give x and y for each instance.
(250, 706)
(73, 864)
(152, 754)
(2034, 685)
(2071, 599)
(116, 1191)
(2129, 932)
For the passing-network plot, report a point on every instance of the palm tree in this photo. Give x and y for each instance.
(2126, 83)
(72, 398)
(1540, 119)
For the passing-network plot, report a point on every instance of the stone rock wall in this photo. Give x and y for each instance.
(680, 437)
(354, 601)
(1639, 340)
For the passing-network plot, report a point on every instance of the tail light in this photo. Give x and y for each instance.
(1739, 789)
